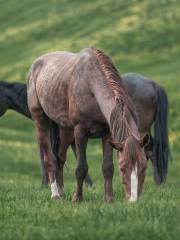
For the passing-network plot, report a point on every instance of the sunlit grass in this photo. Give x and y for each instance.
(140, 36)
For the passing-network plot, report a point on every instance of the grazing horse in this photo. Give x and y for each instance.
(84, 93)
(13, 96)
(152, 108)
(151, 104)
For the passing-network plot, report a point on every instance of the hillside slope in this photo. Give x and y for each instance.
(124, 29)
(141, 36)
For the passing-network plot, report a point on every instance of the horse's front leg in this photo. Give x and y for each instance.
(88, 180)
(107, 169)
(81, 140)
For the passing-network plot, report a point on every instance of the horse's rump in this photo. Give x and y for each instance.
(51, 83)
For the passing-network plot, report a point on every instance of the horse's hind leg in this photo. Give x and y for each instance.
(43, 134)
(43, 123)
(107, 169)
(66, 138)
(43, 169)
(81, 140)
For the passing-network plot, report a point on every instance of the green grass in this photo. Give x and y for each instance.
(141, 36)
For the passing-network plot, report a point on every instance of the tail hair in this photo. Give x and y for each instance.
(161, 150)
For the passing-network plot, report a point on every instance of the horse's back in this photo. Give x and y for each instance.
(144, 96)
(139, 84)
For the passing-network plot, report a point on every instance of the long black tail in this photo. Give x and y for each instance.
(161, 151)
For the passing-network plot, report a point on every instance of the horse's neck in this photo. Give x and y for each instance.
(16, 98)
(18, 102)
(121, 127)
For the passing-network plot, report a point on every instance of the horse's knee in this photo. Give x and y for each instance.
(50, 164)
(81, 171)
(108, 170)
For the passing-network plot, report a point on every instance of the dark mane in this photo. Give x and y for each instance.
(124, 113)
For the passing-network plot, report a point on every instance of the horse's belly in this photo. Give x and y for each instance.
(97, 130)
(89, 109)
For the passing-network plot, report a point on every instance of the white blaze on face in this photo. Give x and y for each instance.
(54, 190)
(134, 185)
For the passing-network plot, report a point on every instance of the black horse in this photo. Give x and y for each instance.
(13, 96)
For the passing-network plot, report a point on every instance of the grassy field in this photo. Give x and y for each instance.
(141, 36)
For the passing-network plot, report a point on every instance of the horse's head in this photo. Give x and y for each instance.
(132, 163)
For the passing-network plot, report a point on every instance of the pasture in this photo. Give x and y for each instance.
(140, 36)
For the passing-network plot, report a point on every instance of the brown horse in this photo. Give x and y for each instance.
(151, 104)
(84, 93)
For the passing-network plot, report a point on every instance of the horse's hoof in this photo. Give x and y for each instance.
(76, 198)
(88, 181)
(55, 197)
(108, 199)
(132, 201)
(61, 191)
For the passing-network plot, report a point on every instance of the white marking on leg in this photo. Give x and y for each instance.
(54, 190)
(134, 185)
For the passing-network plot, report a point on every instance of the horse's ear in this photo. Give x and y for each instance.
(144, 141)
(117, 145)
